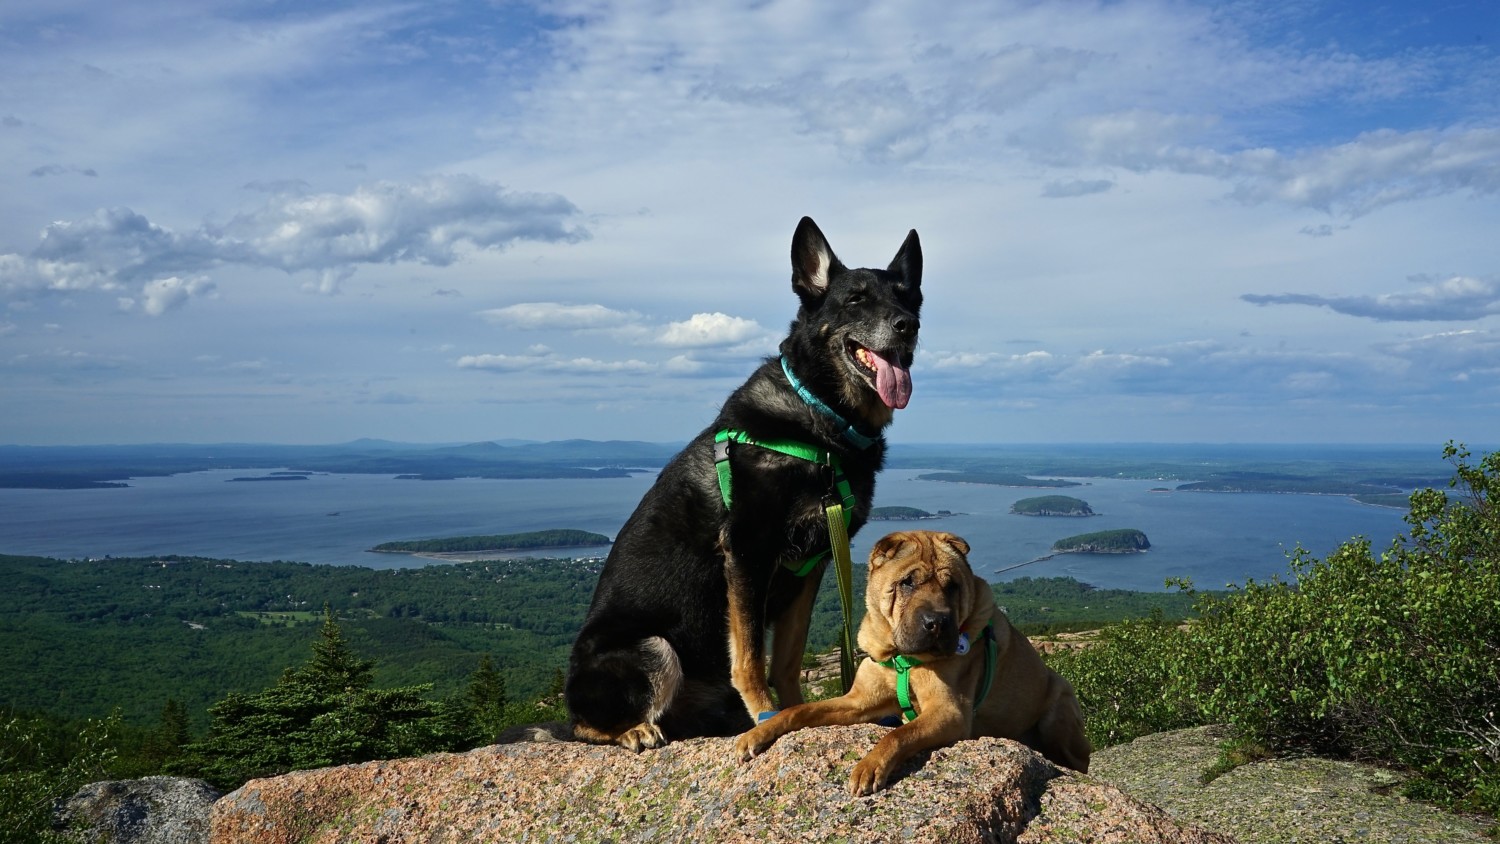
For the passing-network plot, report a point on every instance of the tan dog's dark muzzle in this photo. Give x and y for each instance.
(929, 631)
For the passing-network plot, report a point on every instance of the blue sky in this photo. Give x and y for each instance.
(441, 222)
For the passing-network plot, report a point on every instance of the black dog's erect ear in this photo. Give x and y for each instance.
(908, 260)
(813, 261)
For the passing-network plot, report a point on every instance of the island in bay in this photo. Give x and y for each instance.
(1052, 505)
(905, 514)
(1125, 541)
(995, 478)
(560, 538)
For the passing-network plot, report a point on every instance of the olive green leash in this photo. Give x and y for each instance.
(843, 570)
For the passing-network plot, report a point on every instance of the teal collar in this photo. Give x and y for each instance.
(854, 437)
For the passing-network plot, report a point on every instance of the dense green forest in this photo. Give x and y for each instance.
(80, 639)
(1040, 605)
(499, 542)
(1052, 505)
(1122, 541)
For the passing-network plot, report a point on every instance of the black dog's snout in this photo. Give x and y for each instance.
(906, 326)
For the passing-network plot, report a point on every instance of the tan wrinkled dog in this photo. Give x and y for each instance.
(921, 596)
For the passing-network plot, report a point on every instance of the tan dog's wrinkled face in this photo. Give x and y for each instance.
(920, 581)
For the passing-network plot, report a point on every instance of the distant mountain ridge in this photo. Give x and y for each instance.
(1334, 470)
(102, 466)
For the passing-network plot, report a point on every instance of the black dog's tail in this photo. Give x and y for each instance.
(613, 688)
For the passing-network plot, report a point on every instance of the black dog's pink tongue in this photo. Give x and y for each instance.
(892, 381)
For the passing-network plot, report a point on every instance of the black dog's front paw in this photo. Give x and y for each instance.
(641, 737)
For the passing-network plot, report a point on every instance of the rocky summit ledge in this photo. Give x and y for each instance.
(987, 790)
(1281, 801)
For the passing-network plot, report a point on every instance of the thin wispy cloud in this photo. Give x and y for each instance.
(1351, 179)
(1204, 370)
(1465, 355)
(547, 361)
(1455, 299)
(64, 170)
(1078, 187)
(554, 316)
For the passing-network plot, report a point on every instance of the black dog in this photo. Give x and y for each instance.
(732, 538)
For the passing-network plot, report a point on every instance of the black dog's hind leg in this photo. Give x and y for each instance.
(618, 696)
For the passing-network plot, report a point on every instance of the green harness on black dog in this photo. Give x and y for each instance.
(838, 504)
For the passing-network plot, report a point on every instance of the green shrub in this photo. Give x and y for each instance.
(1394, 658)
(37, 770)
(1133, 682)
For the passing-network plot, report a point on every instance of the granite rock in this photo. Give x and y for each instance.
(985, 790)
(150, 810)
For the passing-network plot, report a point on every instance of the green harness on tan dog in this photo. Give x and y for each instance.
(903, 664)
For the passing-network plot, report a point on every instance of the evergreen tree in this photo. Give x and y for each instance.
(164, 744)
(323, 713)
(550, 706)
(334, 666)
(485, 699)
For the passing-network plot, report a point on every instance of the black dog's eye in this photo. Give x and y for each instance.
(855, 298)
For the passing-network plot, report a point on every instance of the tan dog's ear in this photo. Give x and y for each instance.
(886, 549)
(957, 543)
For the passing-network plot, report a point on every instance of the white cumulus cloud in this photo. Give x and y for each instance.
(715, 329)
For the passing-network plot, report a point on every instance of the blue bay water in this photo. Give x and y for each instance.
(1213, 538)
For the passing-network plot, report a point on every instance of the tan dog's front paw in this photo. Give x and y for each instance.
(640, 737)
(868, 777)
(753, 743)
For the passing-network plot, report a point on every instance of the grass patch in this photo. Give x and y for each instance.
(1233, 754)
(282, 618)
